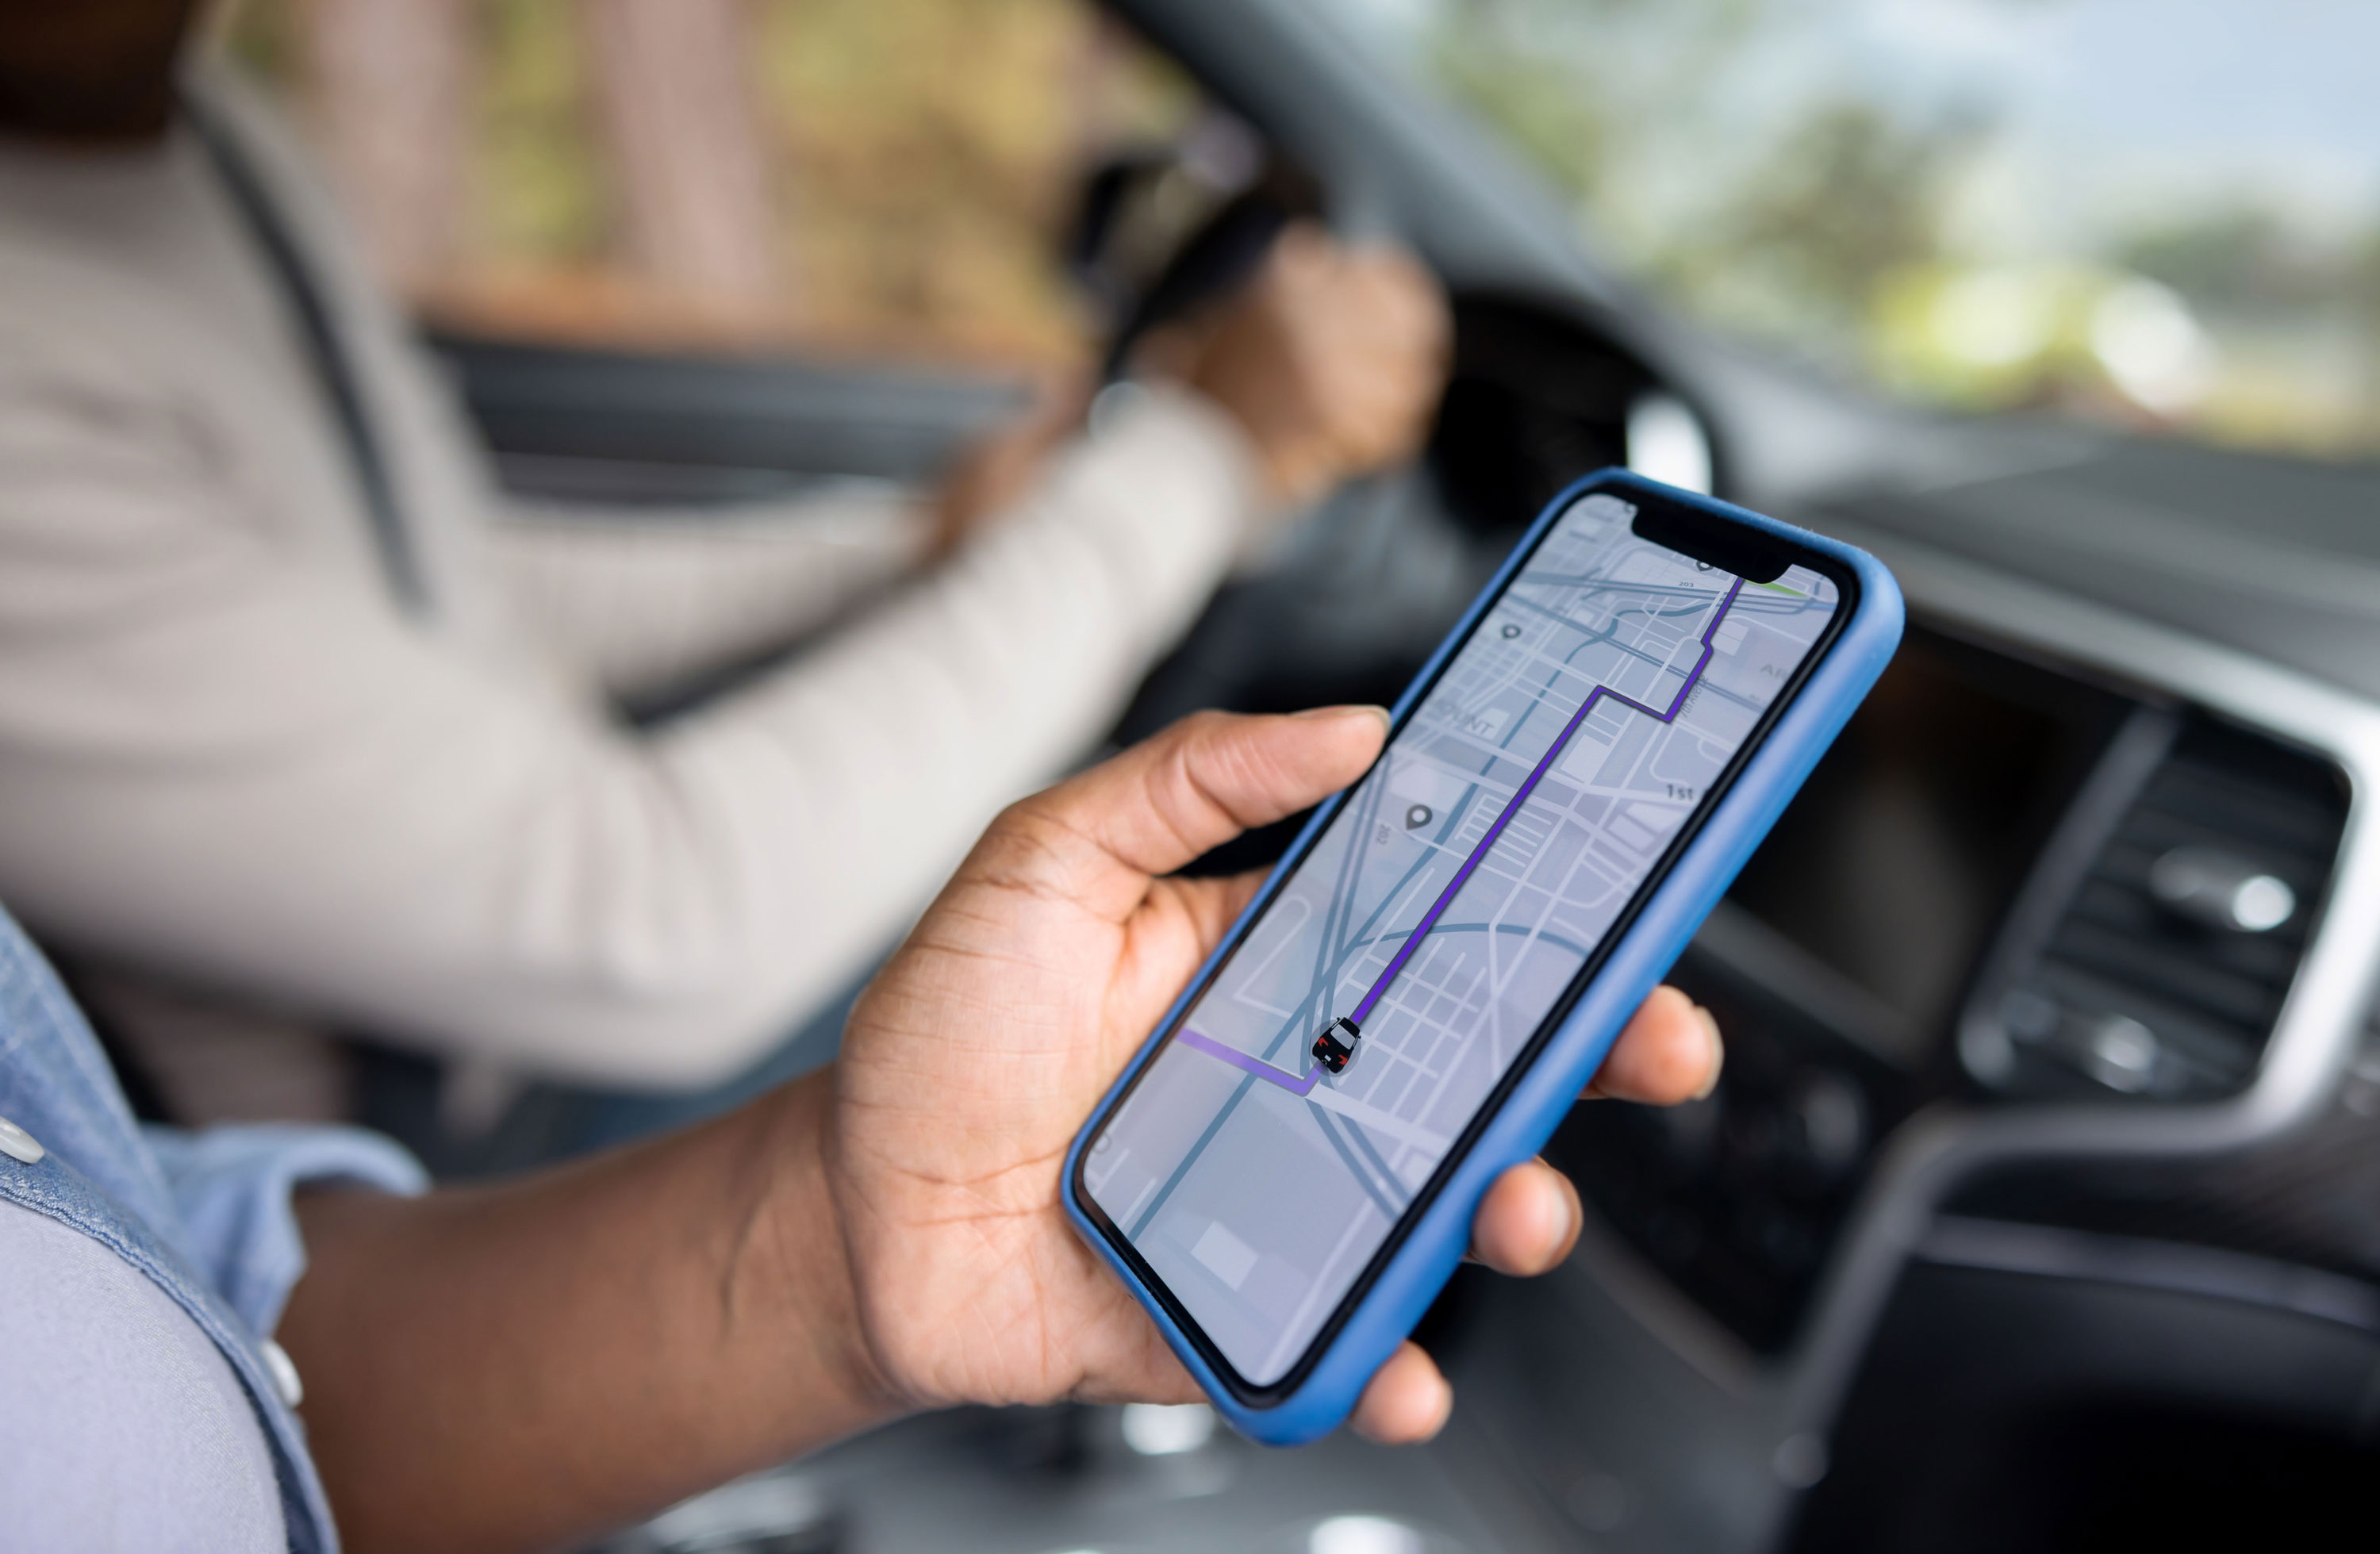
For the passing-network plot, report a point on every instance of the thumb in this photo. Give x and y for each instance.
(1188, 790)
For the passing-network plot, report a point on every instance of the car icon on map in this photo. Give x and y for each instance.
(1336, 1044)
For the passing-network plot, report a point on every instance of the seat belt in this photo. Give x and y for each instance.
(334, 372)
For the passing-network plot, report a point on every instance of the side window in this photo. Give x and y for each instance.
(856, 180)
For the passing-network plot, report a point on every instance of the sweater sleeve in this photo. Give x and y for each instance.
(638, 601)
(223, 756)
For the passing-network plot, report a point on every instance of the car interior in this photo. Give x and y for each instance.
(2039, 1205)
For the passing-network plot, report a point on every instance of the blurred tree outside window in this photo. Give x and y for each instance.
(856, 178)
(2163, 213)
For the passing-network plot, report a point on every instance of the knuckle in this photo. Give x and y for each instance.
(1202, 726)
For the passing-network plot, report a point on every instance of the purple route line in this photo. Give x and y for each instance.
(1303, 1087)
(1461, 875)
(1256, 1066)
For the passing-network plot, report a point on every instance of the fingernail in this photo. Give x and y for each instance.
(1378, 713)
(1717, 1051)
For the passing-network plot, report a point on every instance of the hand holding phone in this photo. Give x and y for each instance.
(1287, 1174)
(1011, 1008)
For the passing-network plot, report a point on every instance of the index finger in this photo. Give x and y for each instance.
(1671, 1051)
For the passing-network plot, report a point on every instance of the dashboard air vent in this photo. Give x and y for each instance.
(2163, 973)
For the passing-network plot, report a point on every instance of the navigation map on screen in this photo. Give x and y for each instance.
(1316, 1084)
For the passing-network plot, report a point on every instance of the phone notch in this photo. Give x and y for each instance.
(1713, 541)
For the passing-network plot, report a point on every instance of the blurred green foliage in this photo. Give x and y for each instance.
(538, 191)
(1847, 199)
(929, 149)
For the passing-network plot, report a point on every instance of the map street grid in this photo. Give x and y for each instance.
(1446, 908)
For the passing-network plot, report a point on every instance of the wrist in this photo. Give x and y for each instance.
(792, 1260)
(1230, 450)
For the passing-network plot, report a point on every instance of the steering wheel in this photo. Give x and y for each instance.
(1131, 212)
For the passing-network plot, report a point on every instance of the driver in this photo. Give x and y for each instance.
(291, 705)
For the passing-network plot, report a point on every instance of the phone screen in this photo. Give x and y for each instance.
(1308, 1096)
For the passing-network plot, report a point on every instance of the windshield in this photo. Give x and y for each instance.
(2160, 213)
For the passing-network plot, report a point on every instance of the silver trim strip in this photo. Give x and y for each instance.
(2043, 1252)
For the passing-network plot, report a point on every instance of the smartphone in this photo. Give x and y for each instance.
(1286, 1174)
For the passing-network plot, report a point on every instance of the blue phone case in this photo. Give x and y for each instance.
(1548, 1085)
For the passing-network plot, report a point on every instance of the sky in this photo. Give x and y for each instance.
(2111, 111)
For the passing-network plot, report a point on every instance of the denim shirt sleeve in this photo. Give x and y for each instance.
(232, 1187)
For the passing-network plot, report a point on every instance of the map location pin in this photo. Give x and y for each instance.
(1417, 816)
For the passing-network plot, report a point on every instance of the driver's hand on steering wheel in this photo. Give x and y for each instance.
(1332, 357)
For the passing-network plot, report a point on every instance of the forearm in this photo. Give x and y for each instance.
(518, 1365)
(639, 600)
